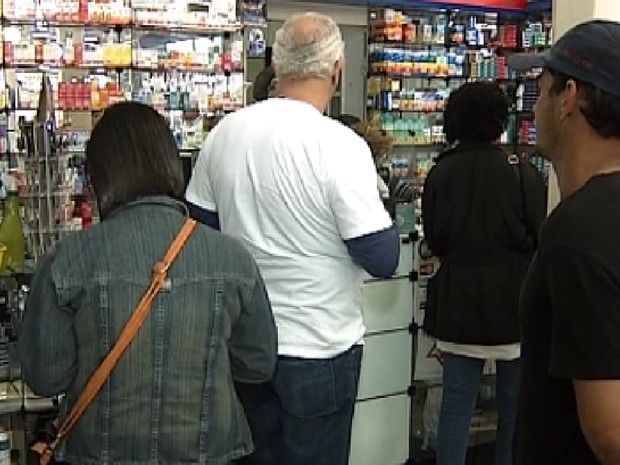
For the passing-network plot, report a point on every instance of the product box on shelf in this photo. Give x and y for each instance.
(19, 9)
(112, 12)
(25, 49)
(417, 56)
(426, 62)
(253, 12)
(218, 13)
(388, 25)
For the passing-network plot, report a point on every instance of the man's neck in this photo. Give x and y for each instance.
(316, 92)
(586, 159)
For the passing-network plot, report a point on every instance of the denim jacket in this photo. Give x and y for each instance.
(171, 399)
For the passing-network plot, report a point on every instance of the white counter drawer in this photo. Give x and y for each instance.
(387, 305)
(381, 430)
(386, 364)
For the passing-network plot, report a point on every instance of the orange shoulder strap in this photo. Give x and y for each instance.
(130, 331)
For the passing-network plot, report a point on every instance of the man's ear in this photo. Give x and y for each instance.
(570, 100)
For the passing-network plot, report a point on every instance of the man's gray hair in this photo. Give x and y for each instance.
(307, 47)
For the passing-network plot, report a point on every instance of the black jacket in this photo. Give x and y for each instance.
(481, 218)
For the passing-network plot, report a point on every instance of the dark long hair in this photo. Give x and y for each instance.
(131, 154)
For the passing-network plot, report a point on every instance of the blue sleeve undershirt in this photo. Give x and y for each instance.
(377, 252)
(202, 215)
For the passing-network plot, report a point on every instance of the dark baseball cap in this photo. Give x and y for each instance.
(589, 52)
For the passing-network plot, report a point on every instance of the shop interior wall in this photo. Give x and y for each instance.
(607, 9)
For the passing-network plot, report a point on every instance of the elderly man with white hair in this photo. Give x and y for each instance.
(298, 189)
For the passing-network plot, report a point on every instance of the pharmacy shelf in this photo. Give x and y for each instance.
(42, 23)
(414, 76)
(421, 112)
(104, 69)
(483, 47)
(448, 45)
(58, 156)
(24, 109)
(188, 29)
(180, 28)
(185, 69)
(197, 111)
(390, 43)
(55, 68)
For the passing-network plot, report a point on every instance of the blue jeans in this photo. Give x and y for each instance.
(461, 384)
(304, 415)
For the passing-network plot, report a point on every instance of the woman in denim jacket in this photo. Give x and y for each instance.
(171, 398)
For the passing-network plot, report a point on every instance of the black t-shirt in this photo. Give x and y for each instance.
(570, 316)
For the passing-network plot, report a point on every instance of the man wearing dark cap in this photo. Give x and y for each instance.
(570, 303)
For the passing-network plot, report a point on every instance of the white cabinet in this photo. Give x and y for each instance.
(381, 430)
(382, 423)
(386, 365)
(387, 304)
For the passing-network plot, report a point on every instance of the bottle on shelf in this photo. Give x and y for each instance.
(5, 448)
(94, 94)
(69, 51)
(4, 134)
(11, 233)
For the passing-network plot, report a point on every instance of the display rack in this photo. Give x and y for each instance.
(416, 58)
(185, 58)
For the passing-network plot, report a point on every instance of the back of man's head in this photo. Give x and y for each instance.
(308, 46)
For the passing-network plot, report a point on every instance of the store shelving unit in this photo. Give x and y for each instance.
(184, 60)
(422, 55)
(416, 58)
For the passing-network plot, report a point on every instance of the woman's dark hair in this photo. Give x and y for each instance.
(477, 112)
(131, 154)
(264, 84)
(602, 110)
(348, 120)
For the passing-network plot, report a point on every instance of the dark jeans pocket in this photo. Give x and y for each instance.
(306, 388)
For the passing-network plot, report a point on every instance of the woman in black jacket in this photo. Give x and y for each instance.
(481, 211)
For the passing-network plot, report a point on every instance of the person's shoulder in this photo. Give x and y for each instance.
(446, 161)
(256, 112)
(339, 130)
(342, 140)
(70, 256)
(588, 219)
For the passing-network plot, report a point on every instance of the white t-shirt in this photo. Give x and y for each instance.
(292, 185)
